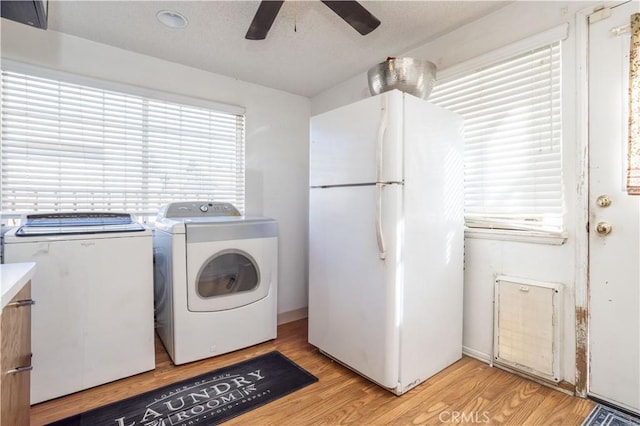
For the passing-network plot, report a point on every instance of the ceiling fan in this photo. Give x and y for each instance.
(351, 11)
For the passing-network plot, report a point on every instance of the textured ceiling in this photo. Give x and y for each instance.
(309, 48)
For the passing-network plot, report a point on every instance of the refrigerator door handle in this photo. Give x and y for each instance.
(384, 113)
(382, 129)
(379, 231)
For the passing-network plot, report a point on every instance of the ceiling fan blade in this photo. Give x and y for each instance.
(262, 21)
(355, 14)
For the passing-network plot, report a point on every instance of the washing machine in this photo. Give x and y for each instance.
(93, 287)
(215, 279)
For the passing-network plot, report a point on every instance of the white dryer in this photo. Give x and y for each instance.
(216, 279)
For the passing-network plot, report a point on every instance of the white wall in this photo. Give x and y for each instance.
(484, 258)
(277, 131)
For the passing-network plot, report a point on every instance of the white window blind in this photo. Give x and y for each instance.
(513, 164)
(68, 147)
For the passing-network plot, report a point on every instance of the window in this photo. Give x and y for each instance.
(513, 163)
(68, 147)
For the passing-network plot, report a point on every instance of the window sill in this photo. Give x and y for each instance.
(533, 237)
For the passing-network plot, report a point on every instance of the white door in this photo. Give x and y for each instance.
(614, 271)
(353, 293)
(224, 275)
(360, 143)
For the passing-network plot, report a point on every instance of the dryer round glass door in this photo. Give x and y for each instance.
(228, 274)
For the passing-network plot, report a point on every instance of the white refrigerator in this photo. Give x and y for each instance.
(386, 238)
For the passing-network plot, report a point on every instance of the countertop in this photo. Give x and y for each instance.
(13, 276)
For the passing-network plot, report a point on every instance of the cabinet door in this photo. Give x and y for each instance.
(15, 341)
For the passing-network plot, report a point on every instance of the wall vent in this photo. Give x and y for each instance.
(526, 328)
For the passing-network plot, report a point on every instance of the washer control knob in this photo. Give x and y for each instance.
(204, 208)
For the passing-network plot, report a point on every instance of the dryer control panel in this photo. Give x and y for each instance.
(190, 209)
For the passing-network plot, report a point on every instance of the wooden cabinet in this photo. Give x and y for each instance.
(15, 359)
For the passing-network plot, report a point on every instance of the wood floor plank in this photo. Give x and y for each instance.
(468, 392)
(556, 409)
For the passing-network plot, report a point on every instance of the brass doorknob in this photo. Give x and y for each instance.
(603, 201)
(603, 228)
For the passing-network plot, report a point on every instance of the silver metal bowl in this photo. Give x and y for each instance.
(414, 76)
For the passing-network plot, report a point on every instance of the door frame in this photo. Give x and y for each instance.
(582, 205)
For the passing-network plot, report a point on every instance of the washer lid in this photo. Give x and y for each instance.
(76, 223)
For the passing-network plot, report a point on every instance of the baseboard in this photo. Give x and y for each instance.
(290, 316)
(562, 386)
(480, 356)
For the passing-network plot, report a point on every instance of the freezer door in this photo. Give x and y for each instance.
(353, 293)
(358, 143)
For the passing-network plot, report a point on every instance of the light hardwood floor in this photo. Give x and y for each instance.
(468, 392)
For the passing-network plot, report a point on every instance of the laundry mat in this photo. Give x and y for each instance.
(207, 399)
